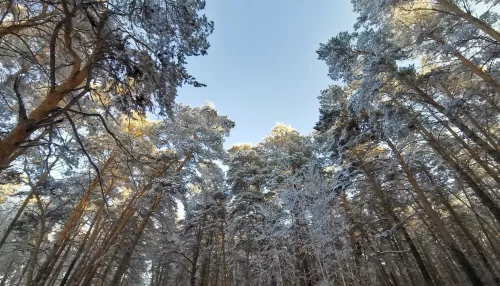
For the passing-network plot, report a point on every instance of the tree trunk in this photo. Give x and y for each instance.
(480, 193)
(205, 272)
(478, 23)
(223, 249)
(9, 144)
(79, 252)
(470, 65)
(474, 154)
(52, 257)
(196, 253)
(435, 219)
(124, 262)
(493, 152)
(25, 203)
(391, 216)
(39, 240)
(475, 243)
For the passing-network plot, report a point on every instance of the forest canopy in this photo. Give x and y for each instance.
(106, 179)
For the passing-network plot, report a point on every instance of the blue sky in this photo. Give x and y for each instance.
(262, 67)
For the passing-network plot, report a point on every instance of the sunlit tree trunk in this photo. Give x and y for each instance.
(124, 262)
(478, 23)
(471, 66)
(10, 143)
(64, 235)
(95, 223)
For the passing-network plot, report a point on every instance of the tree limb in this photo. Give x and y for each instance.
(77, 137)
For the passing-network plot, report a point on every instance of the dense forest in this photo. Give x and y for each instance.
(106, 180)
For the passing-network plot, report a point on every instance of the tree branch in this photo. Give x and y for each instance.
(21, 108)
(77, 137)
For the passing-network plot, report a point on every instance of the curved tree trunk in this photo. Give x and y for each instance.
(27, 124)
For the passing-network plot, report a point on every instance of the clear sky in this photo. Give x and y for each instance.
(262, 66)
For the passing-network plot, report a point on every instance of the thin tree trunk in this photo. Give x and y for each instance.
(445, 235)
(95, 230)
(477, 125)
(39, 240)
(391, 216)
(478, 191)
(480, 220)
(34, 189)
(470, 65)
(447, 263)
(493, 152)
(223, 248)
(52, 257)
(124, 262)
(196, 253)
(98, 234)
(86, 273)
(475, 243)
(58, 268)
(474, 154)
(206, 262)
(79, 252)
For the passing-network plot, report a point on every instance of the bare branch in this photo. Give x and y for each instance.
(21, 108)
(118, 142)
(52, 46)
(77, 137)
